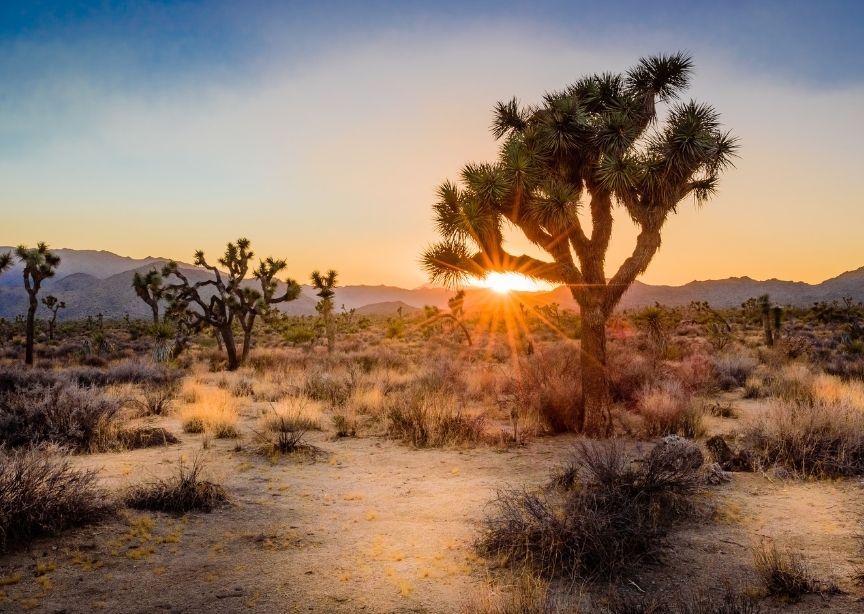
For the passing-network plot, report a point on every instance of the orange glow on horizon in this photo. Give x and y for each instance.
(504, 283)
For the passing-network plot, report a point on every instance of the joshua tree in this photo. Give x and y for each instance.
(39, 264)
(583, 151)
(54, 305)
(325, 284)
(149, 288)
(5, 261)
(225, 298)
(764, 303)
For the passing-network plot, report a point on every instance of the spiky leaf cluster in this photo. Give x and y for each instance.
(592, 146)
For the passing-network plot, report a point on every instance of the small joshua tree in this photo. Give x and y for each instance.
(54, 305)
(39, 264)
(149, 289)
(325, 284)
(224, 299)
(5, 261)
(764, 303)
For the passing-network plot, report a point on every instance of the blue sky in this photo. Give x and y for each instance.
(331, 123)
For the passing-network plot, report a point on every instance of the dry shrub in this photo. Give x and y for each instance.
(730, 602)
(301, 412)
(600, 517)
(41, 493)
(527, 595)
(813, 440)
(183, 492)
(367, 400)
(629, 373)
(62, 413)
(327, 387)
(792, 383)
(732, 369)
(548, 387)
(144, 437)
(127, 372)
(431, 421)
(784, 573)
(283, 434)
(669, 409)
(243, 388)
(155, 399)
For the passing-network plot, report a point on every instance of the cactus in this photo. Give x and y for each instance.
(325, 285)
(54, 305)
(39, 264)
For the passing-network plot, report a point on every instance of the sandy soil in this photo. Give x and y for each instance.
(375, 526)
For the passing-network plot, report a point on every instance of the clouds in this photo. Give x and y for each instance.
(331, 157)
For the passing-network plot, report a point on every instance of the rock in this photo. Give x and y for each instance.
(728, 459)
(713, 474)
(676, 453)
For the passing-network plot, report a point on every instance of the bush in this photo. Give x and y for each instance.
(62, 413)
(629, 373)
(602, 515)
(40, 493)
(431, 421)
(182, 493)
(155, 399)
(785, 574)
(731, 602)
(548, 386)
(732, 370)
(669, 409)
(813, 440)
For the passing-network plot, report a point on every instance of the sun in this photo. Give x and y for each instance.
(504, 283)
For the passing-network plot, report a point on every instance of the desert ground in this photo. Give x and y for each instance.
(363, 479)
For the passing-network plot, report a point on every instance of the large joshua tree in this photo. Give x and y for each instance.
(565, 167)
(325, 285)
(39, 264)
(223, 299)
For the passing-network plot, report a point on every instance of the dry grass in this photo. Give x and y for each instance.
(813, 440)
(182, 493)
(432, 421)
(215, 411)
(526, 595)
(669, 409)
(784, 573)
(301, 412)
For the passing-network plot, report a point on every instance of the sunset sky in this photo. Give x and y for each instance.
(321, 130)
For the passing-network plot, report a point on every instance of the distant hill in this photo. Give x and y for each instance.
(92, 282)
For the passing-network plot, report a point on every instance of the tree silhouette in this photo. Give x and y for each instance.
(585, 150)
(149, 289)
(325, 285)
(54, 305)
(39, 264)
(223, 299)
(5, 261)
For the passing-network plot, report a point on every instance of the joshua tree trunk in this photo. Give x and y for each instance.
(330, 325)
(247, 343)
(766, 325)
(594, 416)
(51, 326)
(31, 329)
(154, 306)
(230, 347)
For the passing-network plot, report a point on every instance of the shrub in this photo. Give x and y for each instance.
(730, 602)
(669, 409)
(155, 399)
(785, 574)
(144, 437)
(182, 493)
(40, 493)
(548, 387)
(431, 421)
(602, 515)
(629, 373)
(814, 440)
(63, 413)
(193, 424)
(732, 370)
(284, 435)
(321, 386)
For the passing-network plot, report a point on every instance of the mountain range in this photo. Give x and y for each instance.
(92, 282)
